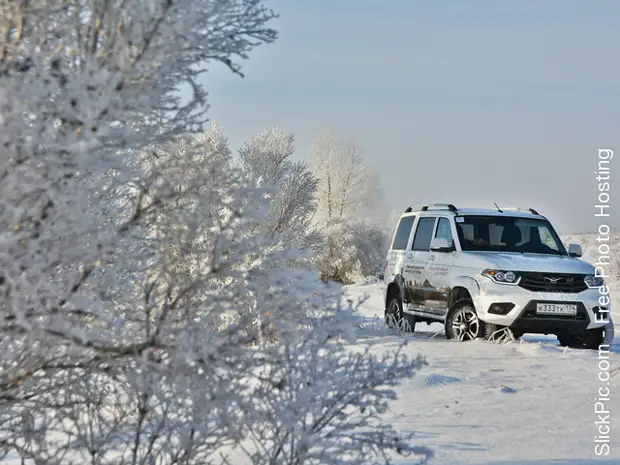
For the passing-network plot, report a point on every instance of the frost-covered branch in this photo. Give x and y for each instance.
(139, 276)
(290, 185)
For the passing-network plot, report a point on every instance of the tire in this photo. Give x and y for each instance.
(589, 339)
(395, 318)
(462, 322)
(500, 333)
(608, 330)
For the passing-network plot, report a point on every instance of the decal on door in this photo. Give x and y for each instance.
(438, 270)
(413, 269)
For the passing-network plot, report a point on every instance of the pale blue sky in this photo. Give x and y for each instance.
(469, 102)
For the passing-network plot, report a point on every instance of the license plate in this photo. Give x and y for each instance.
(556, 309)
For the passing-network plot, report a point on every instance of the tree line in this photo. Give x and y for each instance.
(330, 205)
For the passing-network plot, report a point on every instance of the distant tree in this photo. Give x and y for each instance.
(353, 250)
(291, 187)
(348, 188)
(349, 211)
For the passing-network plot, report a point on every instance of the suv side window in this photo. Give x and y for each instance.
(402, 233)
(424, 234)
(444, 230)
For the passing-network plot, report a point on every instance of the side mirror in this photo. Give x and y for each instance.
(574, 250)
(441, 244)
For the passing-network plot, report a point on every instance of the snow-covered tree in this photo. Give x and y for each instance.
(291, 187)
(353, 250)
(348, 187)
(600, 250)
(124, 242)
(349, 211)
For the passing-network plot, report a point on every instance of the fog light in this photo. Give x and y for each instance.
(501, 308)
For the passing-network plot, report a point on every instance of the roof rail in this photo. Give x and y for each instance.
(531, 210)
(433, 206)
(441, 206)
(415, 208)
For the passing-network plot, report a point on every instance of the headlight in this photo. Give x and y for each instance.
(502, 277)
(594, 281)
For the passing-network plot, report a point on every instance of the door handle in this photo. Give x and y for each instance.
(431, 258)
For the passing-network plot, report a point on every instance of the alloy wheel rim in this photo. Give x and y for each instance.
(465, 325)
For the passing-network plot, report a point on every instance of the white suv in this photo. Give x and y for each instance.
(493, 274)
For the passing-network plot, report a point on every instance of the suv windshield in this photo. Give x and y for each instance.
(508, 234)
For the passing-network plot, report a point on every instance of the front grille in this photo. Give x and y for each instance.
(553, 282)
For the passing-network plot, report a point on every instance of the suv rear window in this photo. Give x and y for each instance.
(402, 233)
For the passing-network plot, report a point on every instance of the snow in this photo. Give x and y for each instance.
(481, 403)
(529, 402)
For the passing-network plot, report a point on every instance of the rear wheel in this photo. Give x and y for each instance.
(462, 322)
(396, 318)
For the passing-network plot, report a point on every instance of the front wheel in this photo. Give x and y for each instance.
(608, 333)
(498, 333)
(462, 322)
(591, 339)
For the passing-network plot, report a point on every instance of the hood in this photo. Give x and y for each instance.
(508, 261)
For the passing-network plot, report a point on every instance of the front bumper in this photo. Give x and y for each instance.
(523, 317)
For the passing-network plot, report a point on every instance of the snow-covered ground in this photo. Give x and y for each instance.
(481, 403)
(478, 402)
